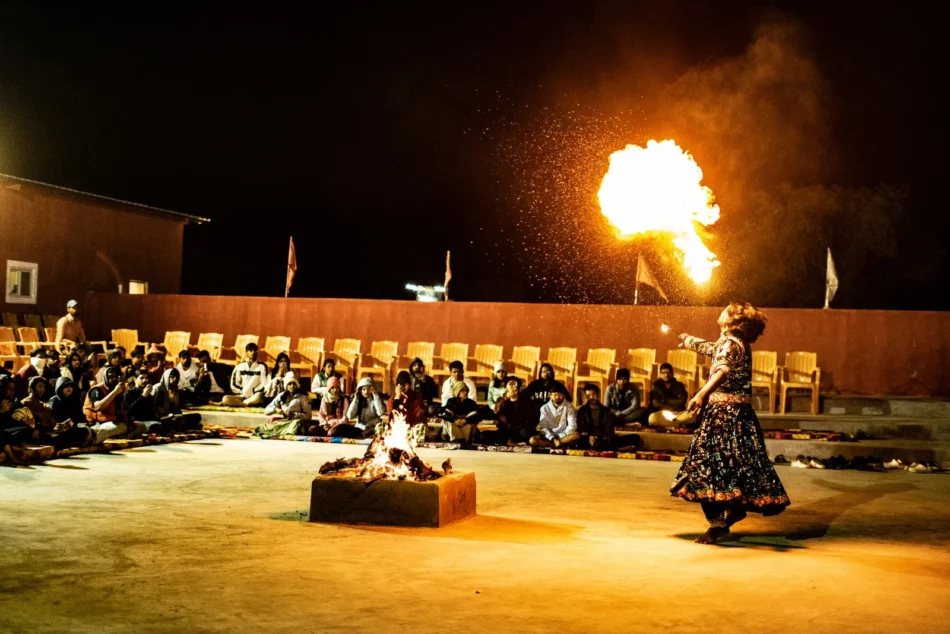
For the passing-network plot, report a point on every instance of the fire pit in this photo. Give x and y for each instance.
(392, 486)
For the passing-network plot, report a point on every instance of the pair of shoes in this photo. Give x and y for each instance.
(923, 467)
(894, 464)
(837, 462)
(801, 462)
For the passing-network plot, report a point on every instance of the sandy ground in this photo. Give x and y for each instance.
(212, 536)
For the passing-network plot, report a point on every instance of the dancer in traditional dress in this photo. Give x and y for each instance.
(727, 469)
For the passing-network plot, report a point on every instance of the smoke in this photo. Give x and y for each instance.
(760, 125)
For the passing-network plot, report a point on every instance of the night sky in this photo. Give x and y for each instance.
(381, 138)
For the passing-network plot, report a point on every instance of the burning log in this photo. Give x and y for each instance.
(391, 456)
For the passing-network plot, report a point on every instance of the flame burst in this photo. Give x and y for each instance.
(391, 456)
(657, 189)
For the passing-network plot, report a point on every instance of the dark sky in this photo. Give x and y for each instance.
(379, 138)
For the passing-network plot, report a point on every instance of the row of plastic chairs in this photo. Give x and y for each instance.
(383, 360)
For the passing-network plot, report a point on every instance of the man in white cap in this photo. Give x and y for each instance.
(69, 327)
(496, 389)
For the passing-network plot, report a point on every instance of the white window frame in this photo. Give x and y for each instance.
(142, 282)
(34, 276)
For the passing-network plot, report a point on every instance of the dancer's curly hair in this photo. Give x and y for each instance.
(745, 321)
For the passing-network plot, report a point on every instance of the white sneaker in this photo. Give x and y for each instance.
(798, 464)
(815, 464)
(894, 464)
(918, 468)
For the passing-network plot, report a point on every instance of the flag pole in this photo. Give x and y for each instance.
(636, 288)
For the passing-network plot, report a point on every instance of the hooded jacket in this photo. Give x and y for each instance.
(64, 408)
(166, 401)
(335, 412)
(366, 412)
(290, 406)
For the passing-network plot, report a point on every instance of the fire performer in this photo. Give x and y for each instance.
(727, 469)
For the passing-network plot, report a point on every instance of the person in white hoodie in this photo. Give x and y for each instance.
(248, 381)
(558, 425)
(365, 411)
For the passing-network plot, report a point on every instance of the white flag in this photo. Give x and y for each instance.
(645, 276)
(831, 280)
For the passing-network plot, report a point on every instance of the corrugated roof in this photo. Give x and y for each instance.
(158, 211)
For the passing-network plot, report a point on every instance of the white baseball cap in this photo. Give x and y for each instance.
(72, 303)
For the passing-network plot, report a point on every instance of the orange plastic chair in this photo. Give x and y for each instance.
(599, 368)
(240, 343)
(379, 362)
(685, 368)
(765, 373)
(564, 362)
(525, 362)
(310, 352)
(801, 372)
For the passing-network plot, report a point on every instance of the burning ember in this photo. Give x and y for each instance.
(391, 456)
(657, 189)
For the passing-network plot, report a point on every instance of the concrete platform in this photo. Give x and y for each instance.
(212, 536)
(434, 503)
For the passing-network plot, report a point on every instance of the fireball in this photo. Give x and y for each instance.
(657, 189)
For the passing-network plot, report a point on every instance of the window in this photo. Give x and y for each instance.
(137, 287)
(21, 282)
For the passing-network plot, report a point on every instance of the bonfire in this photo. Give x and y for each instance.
(391, 456)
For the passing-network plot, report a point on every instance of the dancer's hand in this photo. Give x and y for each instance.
(695, 404)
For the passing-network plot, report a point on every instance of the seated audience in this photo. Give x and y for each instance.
(113, 360)
(558, 425)
(668, 395)
(424, 385)
(105, 409)
(66, 404)
(460, 415)
(51, 371)
(498, 385)
(457, 369)
(168, 402)
(408, 402)
(138, 359)
(290, 411)
(72, 369)
(275, 382)
(139, 403)
(187, 376)
(155, 364)
(516, 415)
(34, 367)
(623, 399)
(366, 410)
(248, 381)
(539, 391)
(595, 424)
(320, 383)
(16, 422)
(47, 430)
(213, 379)
(333, 408)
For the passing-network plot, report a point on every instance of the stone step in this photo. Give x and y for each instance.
(906, 450)
(845, 404)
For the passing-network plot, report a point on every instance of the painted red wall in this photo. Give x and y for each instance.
(860, 352)
(63, 233)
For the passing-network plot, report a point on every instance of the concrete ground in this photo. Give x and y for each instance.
(211, 536)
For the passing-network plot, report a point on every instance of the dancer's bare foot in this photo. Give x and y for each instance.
(714, 534)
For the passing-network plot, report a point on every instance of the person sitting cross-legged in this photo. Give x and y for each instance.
(139, 403)
(366, 410)
(333, 408)
(113, 359)
(275, 381)
(669, 395)
(289, 412)
(539, 391)
(515, 414)
(623, 399)
(212, 380)
(321, 382)
(47, 430)
(498, 385)
(188, 372)
(595, 424)
(248, 381)
(460, 415)
(558, 424)
(457, 368)
(168, 402)
(16, 422)
(66, 405)
(105, 409)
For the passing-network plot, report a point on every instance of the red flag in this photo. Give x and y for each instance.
(291, 266)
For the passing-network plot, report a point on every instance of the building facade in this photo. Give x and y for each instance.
(57, 244)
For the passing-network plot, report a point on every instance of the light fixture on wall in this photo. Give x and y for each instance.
(426, 293)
